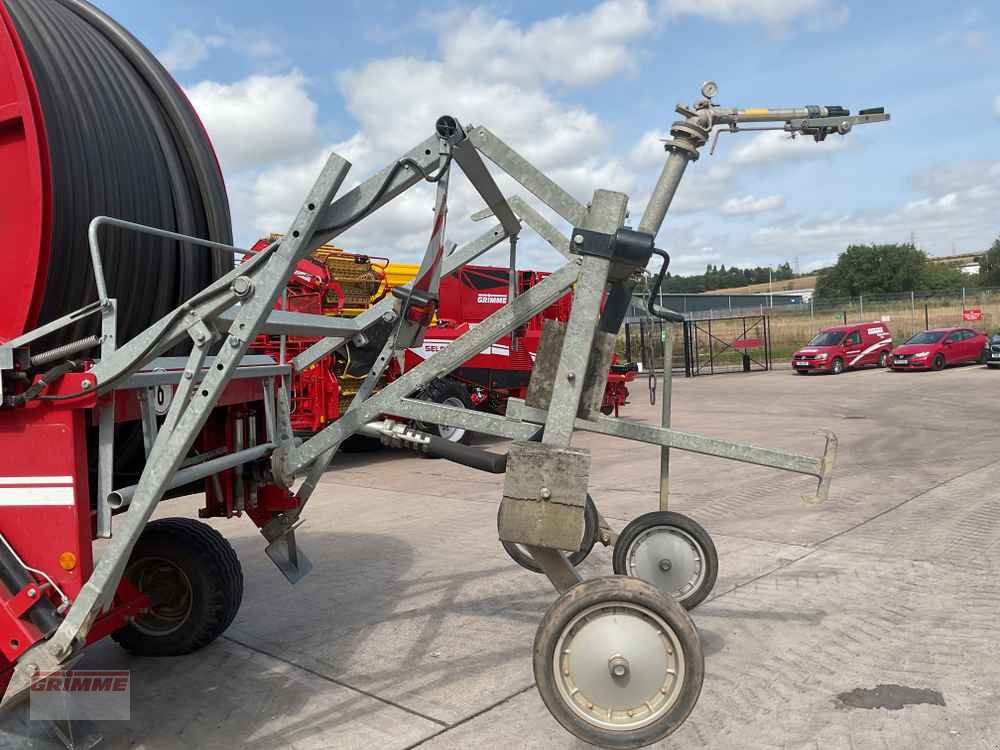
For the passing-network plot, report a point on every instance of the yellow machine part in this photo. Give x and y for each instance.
(360, 277)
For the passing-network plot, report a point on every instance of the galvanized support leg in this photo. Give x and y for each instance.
(606, 214)
(105, 465)
(147, 412)
(106, 427)
(668, 382)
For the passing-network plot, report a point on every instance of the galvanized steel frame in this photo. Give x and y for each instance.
(258, 282)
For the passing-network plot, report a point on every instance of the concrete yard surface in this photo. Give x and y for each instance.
(866, 622)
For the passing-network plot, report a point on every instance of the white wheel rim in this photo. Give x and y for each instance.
(454, 434)
(670, 559)
(629, 638)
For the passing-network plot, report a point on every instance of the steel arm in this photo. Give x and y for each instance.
(338, 216)
(504, 320)
(463, 255)
(529, 176)
(821, 468)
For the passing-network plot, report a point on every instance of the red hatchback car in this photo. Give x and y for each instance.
(939, 347)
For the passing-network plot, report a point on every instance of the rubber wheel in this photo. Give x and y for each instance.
(837, 366)
(448, 393)
(883, 360)
(671, 551)
(617, 663)
(939, 362)
(590, 529)
(194, 578)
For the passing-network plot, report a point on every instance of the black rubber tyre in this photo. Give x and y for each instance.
(646, 609)
(450, 393)
(982, 357)
(939, 362)
(590, 530)
(694, 537)
(883, 360)
(837, 366)
(197, 584)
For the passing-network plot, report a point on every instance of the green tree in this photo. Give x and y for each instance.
(873, 269)
(989, 266)
(940, 277)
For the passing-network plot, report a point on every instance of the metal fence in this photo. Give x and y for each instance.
(700, 347)
(792, 325)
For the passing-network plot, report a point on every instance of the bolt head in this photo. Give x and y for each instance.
(86, 385)
(571, 376)
(31, 593)
(665, 565)
(241, 286)
(618, 666)
(578, 239)
(234, 342)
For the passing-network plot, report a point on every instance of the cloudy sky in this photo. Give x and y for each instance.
(587, 89)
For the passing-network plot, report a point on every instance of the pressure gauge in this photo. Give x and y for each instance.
(709, 89)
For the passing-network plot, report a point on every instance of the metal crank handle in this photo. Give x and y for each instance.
(664, 313)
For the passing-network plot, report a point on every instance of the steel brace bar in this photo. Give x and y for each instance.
(821, 467)
(462, 256)
(504, 320)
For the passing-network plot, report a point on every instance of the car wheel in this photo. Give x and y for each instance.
(448, 392)
(939, 362)
(883, 360)
(838, 366)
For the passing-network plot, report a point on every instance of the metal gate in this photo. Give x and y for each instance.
(736, 344)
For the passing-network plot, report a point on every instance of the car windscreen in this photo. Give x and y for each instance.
(925, 337)
(827, 338)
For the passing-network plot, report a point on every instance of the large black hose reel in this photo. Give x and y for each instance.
(122, 140)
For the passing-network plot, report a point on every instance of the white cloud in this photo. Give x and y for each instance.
(258, 120)
(776, 15)
(773, 146)
(381, 98)
(956, 212)
(648, 152)
(574, 49)
(749, 204)
(186, 50)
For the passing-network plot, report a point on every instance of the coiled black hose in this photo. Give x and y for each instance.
(123, 141)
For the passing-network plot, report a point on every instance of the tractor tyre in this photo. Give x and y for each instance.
(194, 579)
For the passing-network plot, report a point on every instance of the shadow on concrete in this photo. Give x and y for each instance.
(277, 678)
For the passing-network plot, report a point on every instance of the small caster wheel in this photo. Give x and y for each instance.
(670, 551)
(590, 531)
(193, 577)
(618, 663)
